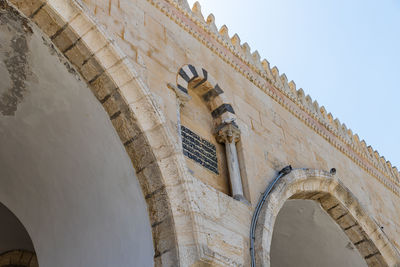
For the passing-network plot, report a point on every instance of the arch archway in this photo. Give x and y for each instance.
(16, 247)
(340, 204)
(198, 79)
(130, 107)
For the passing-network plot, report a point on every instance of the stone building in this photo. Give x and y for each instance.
(135, 133)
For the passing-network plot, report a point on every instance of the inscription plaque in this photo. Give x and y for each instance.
(199, 150)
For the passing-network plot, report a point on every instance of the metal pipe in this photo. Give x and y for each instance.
(257, 210)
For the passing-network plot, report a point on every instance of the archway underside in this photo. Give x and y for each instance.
(348, 224)
(110, 76)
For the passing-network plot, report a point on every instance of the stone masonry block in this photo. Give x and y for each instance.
(148, 116)
(337, 212)
(78, 53)
(140, 153)
(27, 7)
(162, 233)
(150, 178)
(94, 40)
(126, 127)
(328, 202)
(366, 248)
(158, 205)
(81, 24)
(65, 39)
(355, 233)
(91, 69)
(107, 56)
(65, 9)
(120, 73)
(48, 20)
(132, 92)
(113, 103)
(102, 86)
(160, 142)
(346, 221)
(376, 261)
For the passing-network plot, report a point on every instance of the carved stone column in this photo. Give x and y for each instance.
(229, 134)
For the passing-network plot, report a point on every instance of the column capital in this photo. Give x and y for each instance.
(228, 132)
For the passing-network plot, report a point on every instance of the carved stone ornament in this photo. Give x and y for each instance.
(228, 133)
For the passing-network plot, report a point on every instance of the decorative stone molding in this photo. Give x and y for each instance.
(339, 203)
(278, 88)
(204, 85)
(228, 133)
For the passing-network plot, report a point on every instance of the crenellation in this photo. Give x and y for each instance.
(277, 78)
(301, 97)
(285, 84)
(211, 23)
(244, 53)
(317, 109)
(266, 66)
(235, 40)
(247, 52)
(196, 11)
(337, 125)
(308, 103)
(396, 173)
(224, 33)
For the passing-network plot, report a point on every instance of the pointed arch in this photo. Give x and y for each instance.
(139, 123)
(339, 203)
(199, 80)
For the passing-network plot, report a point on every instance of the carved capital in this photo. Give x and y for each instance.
(228, 133)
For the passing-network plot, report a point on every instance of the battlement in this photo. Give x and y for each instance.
(263, 76)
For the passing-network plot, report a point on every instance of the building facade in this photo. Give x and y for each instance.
(135, 133)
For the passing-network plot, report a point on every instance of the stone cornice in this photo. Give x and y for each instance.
(277, 87)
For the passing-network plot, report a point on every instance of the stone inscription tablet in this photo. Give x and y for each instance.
(199, 150)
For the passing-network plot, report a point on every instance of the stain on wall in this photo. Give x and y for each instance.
(14, 55)
(64, 171)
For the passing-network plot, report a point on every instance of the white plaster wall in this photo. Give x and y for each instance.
(63, 170)
(306, 236)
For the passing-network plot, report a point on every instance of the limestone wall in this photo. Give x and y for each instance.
(279, 125)
(272, 136)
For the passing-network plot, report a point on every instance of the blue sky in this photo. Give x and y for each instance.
(344, 53)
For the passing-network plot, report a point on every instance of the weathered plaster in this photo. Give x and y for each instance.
(14, 45)
(65, 172)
